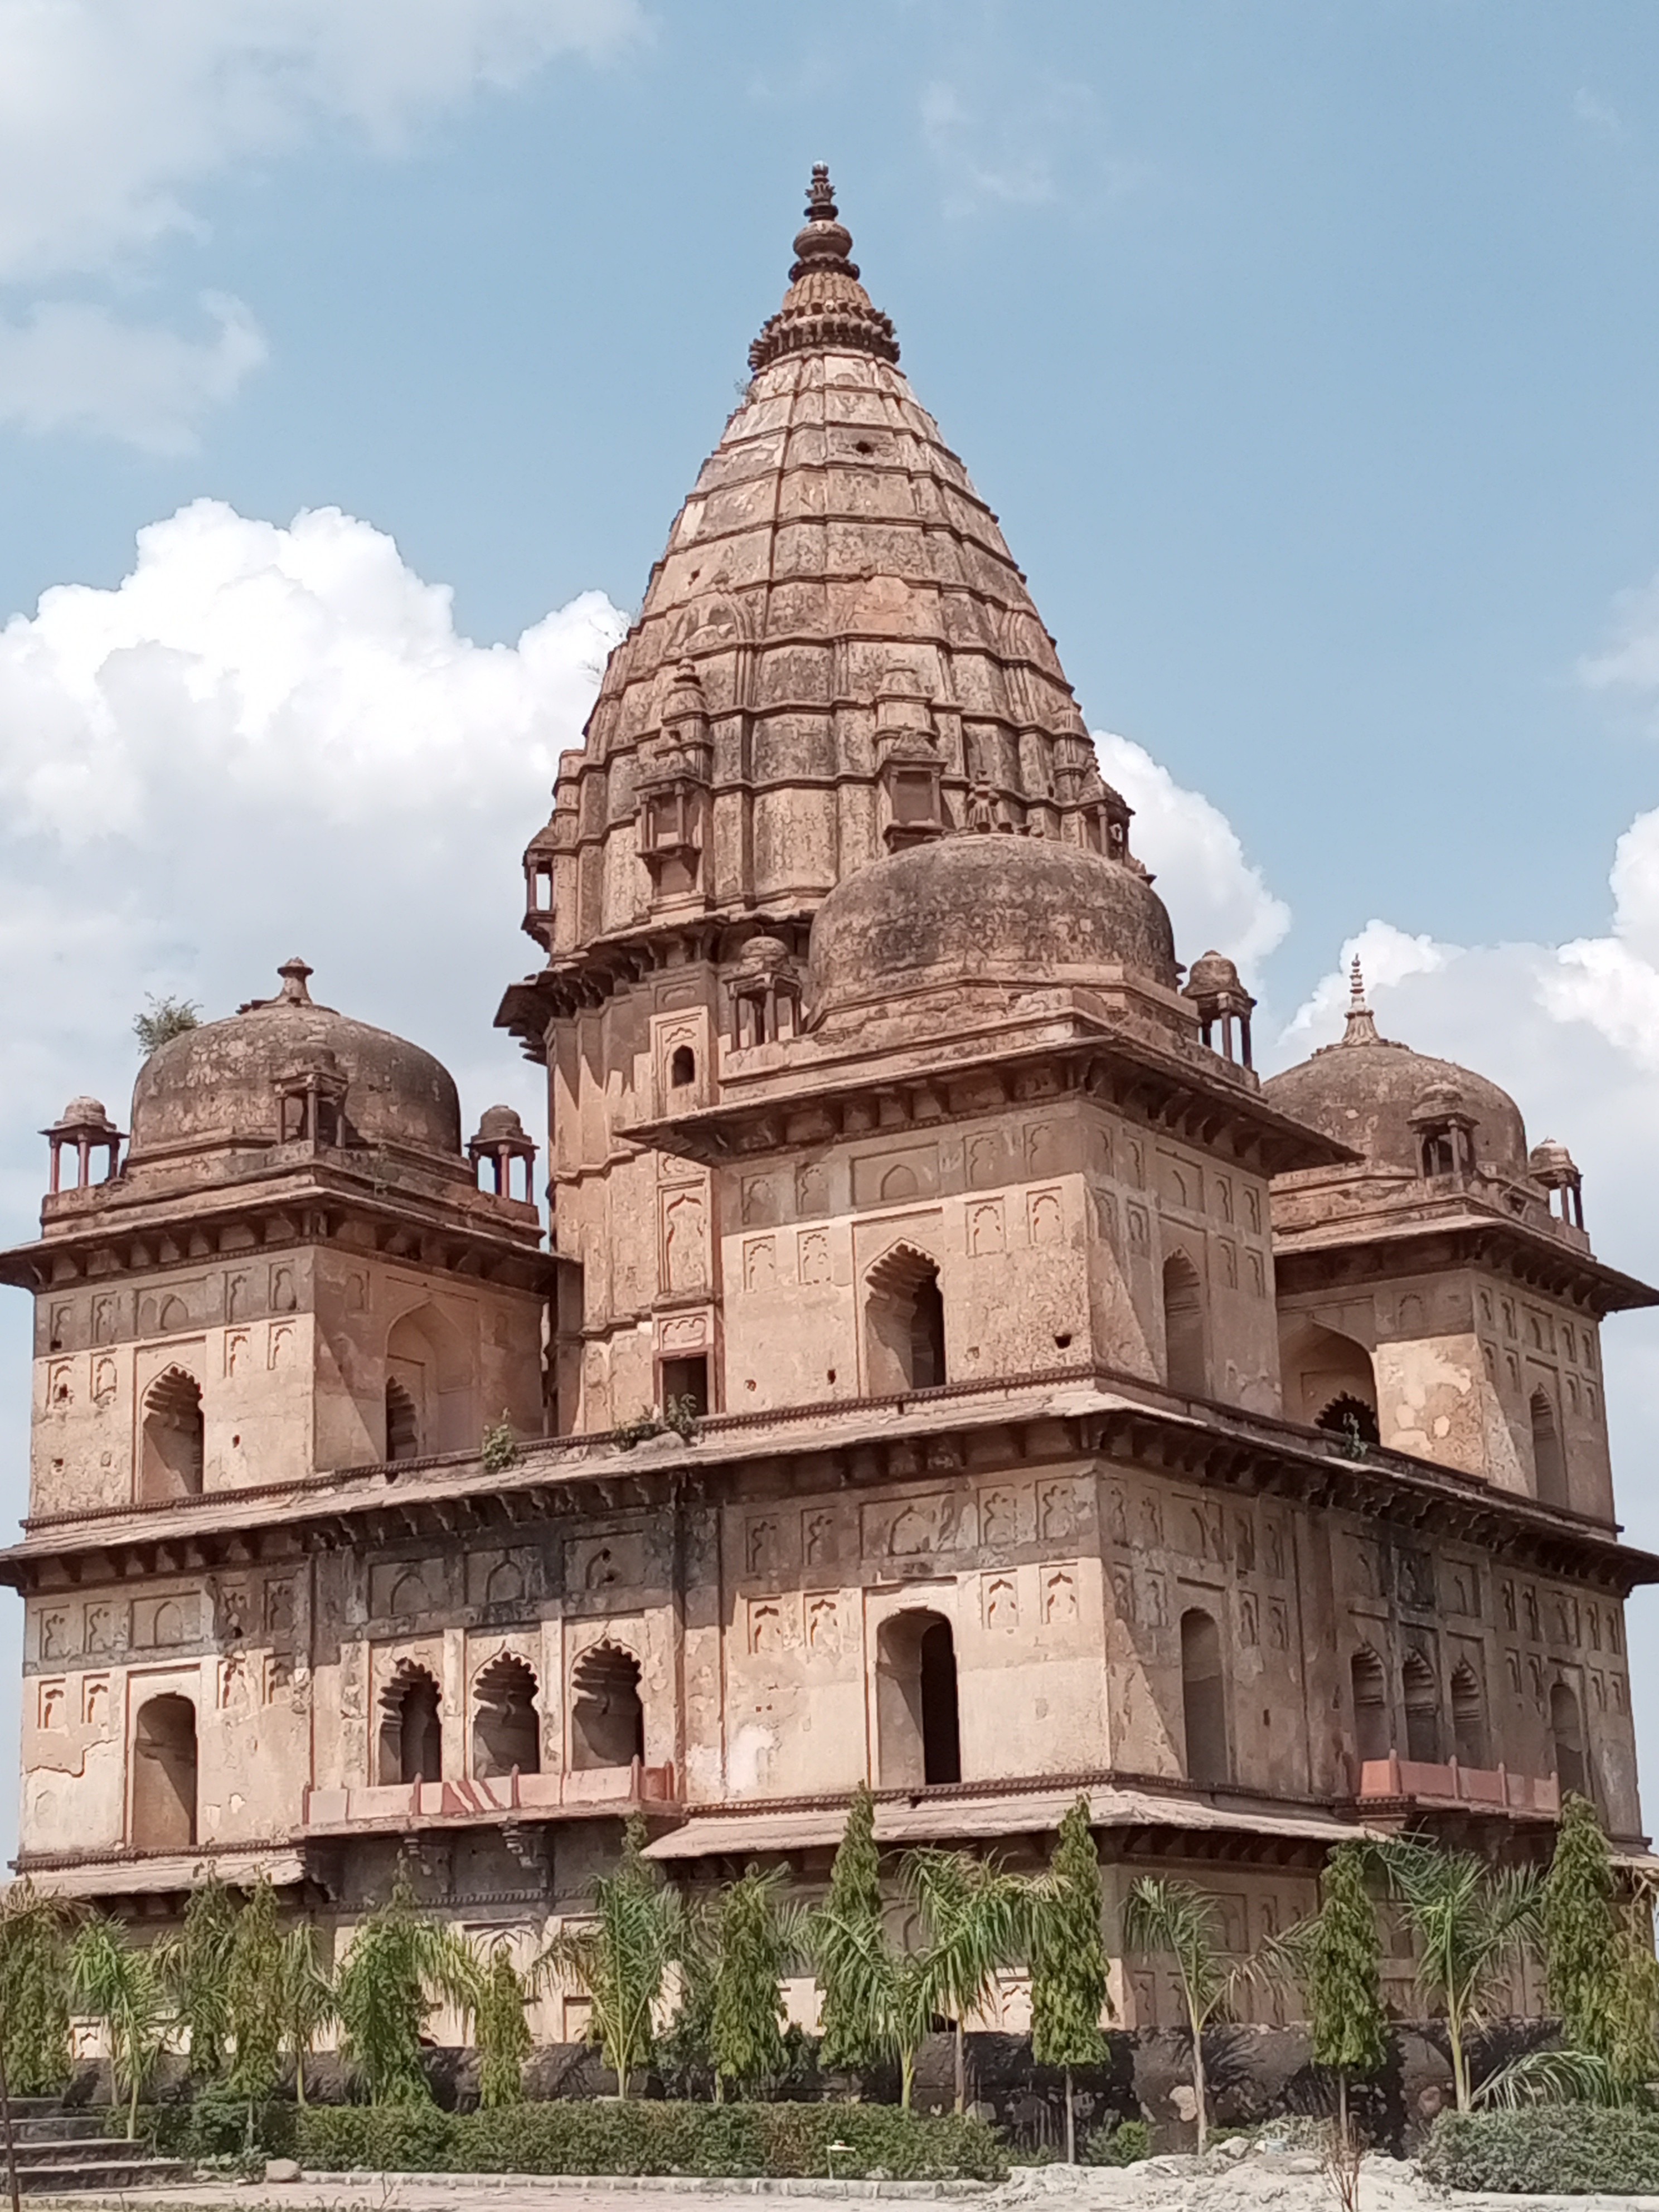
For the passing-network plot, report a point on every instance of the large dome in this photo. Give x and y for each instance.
(1021, 912)
(219, 1082)
(1365, 1090)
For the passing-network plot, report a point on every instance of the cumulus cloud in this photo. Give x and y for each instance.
(113, 117)
(265, 740)
(1218, 901)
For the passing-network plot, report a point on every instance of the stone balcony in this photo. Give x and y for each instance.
(1449, 1786)
(398, 1807)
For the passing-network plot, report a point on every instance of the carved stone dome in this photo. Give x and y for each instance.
(1019, 912)
(219, 1082)
(1367, 1091)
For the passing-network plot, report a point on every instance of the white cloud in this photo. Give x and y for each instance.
(115, 114)
(265, 740)
(1216, 900)
(111, 113)
(1386, 955)
(74, 365)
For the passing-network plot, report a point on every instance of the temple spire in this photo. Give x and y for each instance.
(826, 309)
(1361, 1027)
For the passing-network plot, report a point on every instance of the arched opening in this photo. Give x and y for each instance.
(171, 1450)
(1420, 1695)
(1330, 1380)
(403, 1422)
(506, 1727)
(1186, 1364)
(904, 1323)
(430, 1361)
(1567, 1733)
(1468, 1712)
(681, 1067)
(412, 1732)
(1351, 1417)
(918, 1717)
(1373, 1737)
(1204, 1699)
(164, 1775)
(1439, 1152)
(1548, 1461)
(607, 1721)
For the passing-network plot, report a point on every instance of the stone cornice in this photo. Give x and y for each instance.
(1453, 1233)
(277, 1209)
(1062, 1414)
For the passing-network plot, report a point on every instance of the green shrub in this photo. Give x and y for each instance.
(213, 2126)
(1119, 2143)
(1569, 2150)
(580, 2136)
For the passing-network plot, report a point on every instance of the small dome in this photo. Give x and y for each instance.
(500, 1125)
(1551, 1162)
(1211, 971)
(1020, 911)
(1368, 1092)
(220, 1080)
(87, 1110)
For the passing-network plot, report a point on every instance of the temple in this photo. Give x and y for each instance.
(951, 1364)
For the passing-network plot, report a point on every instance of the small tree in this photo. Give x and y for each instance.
(124, 1988)
(303, 2000)
(502, 2031)
(1343, 1979)
(163, 1018)
(623, 1959)
(1470, 1923)
(757, 1944)
(1069, 1990)
(255, 2016)
(197, 1965)
(847, 1923)
(1581, 1928)
(974, 1918)
(1173, 1917)
(1632, 2050)
(402, 1965)
(34, 1990)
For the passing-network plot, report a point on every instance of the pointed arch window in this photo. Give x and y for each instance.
(506, 1727)
(904, 1323)
(171, 1453)
(1420, 1695)
(1204, 1700)
(1373, 1734)
(1468, 1712)
(411, 1745)
(1548, 1460)
(1186, 1359)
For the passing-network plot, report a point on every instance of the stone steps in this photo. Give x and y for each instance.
(61, 2154)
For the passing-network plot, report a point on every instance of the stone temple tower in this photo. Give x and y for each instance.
(951, 1367)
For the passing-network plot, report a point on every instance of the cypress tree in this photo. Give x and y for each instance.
(1581, 1929)
(746, 2030)
(1068, 1960)
(503, 2031)
(254, 2013)
(34, 1991)
(198, 1964)
(1344, 1972)
(852, 2036)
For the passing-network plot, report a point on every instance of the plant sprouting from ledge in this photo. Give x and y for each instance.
(164, 1018)
(501, 1447)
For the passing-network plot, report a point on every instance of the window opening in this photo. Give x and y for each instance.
(172, 1445)
(1372, 1734)
(164, 1775)
(506, 1727)
(917, 1707)
(1567, 1733)
(1204, 1699)
(1549, 1463)
(1469, 1710)
(1422, 1703)
(1349, 1416)
(685, 1383)
(403, 1422)
(411, 1731)
(682, 1068)
(1183, 1328)
(607, 1720)
(905, 1324)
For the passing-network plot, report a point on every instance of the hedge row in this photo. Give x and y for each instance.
(581, 2136)
(1564, 2150)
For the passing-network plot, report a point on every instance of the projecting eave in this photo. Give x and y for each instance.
(1059, 1416)
(808, 1091)
(1452, 1233)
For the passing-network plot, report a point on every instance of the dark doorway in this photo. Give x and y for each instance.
(403, 1422)
(164, 1775)
(1548, 1461)
(1204, 1700)
(918, 1712)
(941, 1728)
(1373, 1738)
(1567, 1733)
(1421, 1699)
(1186, 1365)
(411, 1731)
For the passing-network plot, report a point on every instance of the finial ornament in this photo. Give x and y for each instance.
(1361, 1028)
(826, 309)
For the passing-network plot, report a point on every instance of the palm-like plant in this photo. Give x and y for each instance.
(622, 1959)
(1470, 1924)
(256, 2027)
(1175, 1918)
(125, 1989)
(975, 1918)
(403, 1964)
(303, 1999)
(196, 1964)
(756, 1940)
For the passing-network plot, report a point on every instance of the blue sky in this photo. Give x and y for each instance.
(1309, 354)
